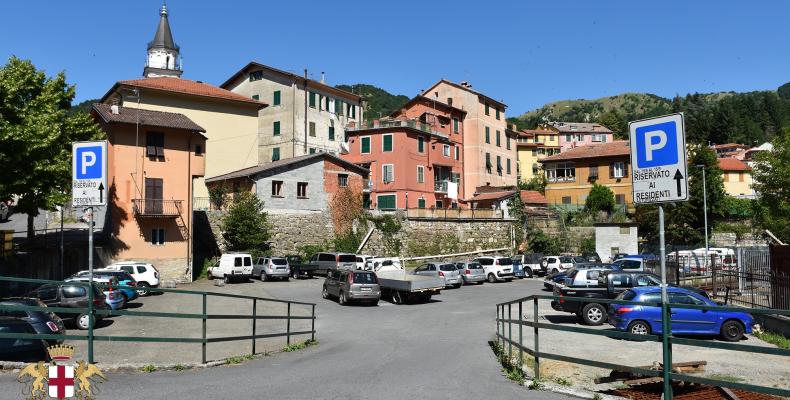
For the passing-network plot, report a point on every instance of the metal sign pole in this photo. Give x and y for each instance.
(666, 349)
(90, 284)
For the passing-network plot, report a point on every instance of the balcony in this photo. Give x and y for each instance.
(410, 123)
(440, 187)
(155, 208)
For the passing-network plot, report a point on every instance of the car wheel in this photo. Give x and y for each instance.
(325, 293)
(397, 298)
(491, 278)
(82, 322)
(528, 273)
(594, 314)
(554, 271)
(264, 277)
(125, 298)
(142, 288)
(226, 278)
(342, 300)
(732, 331)
(457, 285)
(286, 279)
(639, 328)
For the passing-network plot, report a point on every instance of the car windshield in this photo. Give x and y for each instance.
(447, 267)
(474, 266)
(566, 259)
(505, 261)
(279, 261)
(361, 277)
(485, 261)
(627, 295)
(347, 258)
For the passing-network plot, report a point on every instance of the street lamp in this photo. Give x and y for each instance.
(705, 210)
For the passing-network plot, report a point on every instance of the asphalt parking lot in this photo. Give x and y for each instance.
(433, 350)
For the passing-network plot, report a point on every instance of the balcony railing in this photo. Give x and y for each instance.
(156, 208)
(411, 123)
(440, 187)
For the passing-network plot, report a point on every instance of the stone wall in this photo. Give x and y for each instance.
(730, 239)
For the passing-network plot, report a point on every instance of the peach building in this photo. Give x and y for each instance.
(489, 152)
(153, 160)
(737, 177)
(415, 158)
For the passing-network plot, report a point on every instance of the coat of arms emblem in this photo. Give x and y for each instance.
(62, 380)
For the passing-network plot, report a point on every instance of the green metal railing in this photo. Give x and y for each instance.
(204, 340)
(505, 334)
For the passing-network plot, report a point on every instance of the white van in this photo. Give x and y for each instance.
(233, 266)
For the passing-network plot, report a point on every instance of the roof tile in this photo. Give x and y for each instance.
(611, 149)
(186, 86)
(158, 119)
(732, 164)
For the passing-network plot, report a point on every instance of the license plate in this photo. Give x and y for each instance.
(365, 289)
(280, 267)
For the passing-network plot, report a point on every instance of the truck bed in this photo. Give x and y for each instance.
(406, 282)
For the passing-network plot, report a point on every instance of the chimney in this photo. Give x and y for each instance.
(322, 77)
(114, 109)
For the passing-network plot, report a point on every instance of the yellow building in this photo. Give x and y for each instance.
(737, 177)
(570, 175)
(533, 146)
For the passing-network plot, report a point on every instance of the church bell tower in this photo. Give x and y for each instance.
(163, 53)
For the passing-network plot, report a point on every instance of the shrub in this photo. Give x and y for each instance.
(601, 198)
(245, 227)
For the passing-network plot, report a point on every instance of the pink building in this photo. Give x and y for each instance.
(415, 157)
(576, 134)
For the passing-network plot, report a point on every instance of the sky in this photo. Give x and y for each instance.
(525, 53)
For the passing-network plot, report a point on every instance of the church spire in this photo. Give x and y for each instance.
(163, 52)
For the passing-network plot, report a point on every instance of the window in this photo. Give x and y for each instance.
(566, 199)
(326, 103)
(386, 143)
(256, 97)
(455, 125)
(342, 180)
(497, 113)
(312, 99)
(74, 292)
(499, 165)
(617, 170)
(439, 204)
(387, 173)
(312, 150)
(456, 178)
(446, 150)
(561, 172)
(276, 128)
(256, 76)
(449, 101)
(625, 230)
(487, 112)
(301, 190)
(311, 126)
(386, 202)
(568, 137)
(594, 172)
(420, 145)
(276, 98)
(621, 280)
(154, 193)
(354, 111)
(488, 162)
(365, 145)
(457, 153)
(275, 154)
(420, 203)
(508, 166)
(338, 106)
(740, 176)
(597, 137)
(498, 140)
(420, 174)
(508, 142)
(158, 236)
(277, 187)
(615, 251)
(198, 150)
(155, 144)
(619, 198)
(488, 135)
(332, 133)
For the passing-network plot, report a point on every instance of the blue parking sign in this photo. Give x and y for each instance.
(656, 145)
(89, 162)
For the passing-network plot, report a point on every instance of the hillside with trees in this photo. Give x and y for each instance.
(380, 102)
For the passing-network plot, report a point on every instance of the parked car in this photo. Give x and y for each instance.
(325, 262)
(531, 263)
(498, 269)
(20, 349)
(145, 274)
(352, 286)
(112, 297)
(554, 264)
(44, 323)
(592, 257)
(559, 277)
(124, 279)
(646, 319)
(518, 269)
(65, 295)
(383, 263)
(630, 263)
(362, 261)
(268, 268)
(231, 267)
(299, 268)
(471, 272)
(452, 278)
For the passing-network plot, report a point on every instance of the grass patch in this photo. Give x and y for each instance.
(726, 378)
(597, 396)
(239, 359)
(535, 385)
(179, 367)
(299, 346)
(562, 381)
(510, 366)
(148, 368)
(774, 338)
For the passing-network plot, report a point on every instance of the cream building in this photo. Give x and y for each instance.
(489, 151)
(737, 177)
(532, 146)
(304, 116)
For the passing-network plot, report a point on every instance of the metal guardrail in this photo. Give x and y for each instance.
(506, 337)
(204, 340)
(156, 207)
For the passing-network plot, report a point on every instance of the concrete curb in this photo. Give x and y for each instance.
(572, 391)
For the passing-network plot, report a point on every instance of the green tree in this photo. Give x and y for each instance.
(772, 182)
(36, 132)
(245, 227)
(537, 183)
(612, 120)
(784, 91)
(601, 198)
(540, 242)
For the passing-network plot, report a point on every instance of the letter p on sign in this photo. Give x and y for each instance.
(656, 145)
(89, 163)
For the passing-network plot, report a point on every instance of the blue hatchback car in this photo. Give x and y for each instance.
(646, 320)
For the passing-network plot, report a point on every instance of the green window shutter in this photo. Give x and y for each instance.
(365, 145)
(386, 202)
(312, 150)
(312, 99)
(498, 142)
(353, 111)
(276, 128)
(387, 142)
(275, 154)
(331, 133)
(488, 135)
(508, 166)
(276, 101)
(420, 144)
(488, 162)
(508, 142)
(337, 106)
(256, 97)
(421, 203)
(487, 112)
(497, 113)
(455, 125)
(499, 165)
(326, 101)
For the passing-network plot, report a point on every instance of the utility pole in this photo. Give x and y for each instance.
(705, 210)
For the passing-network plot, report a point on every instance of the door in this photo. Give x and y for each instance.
(331, 283)
(619, 283)
(686, 320)
(153, 195)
